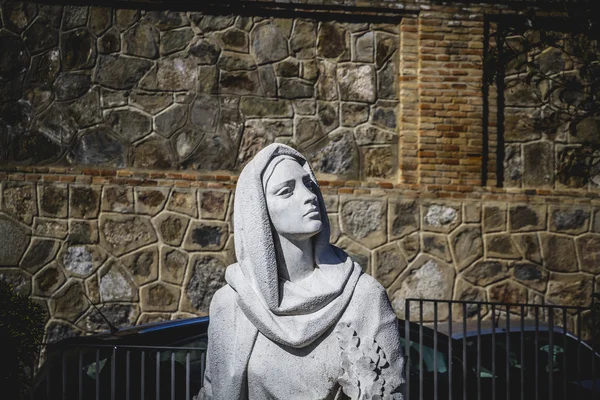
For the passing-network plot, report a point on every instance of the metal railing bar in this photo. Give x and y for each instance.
(491, 303)
(478, 352)
(450, 376)
(435, 350)
(507, 380)
(494, 352)
(158, 375)
(522, 352)
(63, 369)
(172, 376)
(421, 350)
(113, 367)
(550, 364)
(80, 375)
(537, 350)
(128, 375)
(565, 353)
(143, 375)
(187, 375)
(464, 350)
(97, 374)
(407, 346)
(132, 347)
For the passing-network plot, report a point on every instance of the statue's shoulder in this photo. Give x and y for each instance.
(368, 286)
(223, 299)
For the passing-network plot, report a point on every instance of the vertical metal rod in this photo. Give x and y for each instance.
(507, 352)
(435, 350)
(579, 353)
(113, 367)
(464, 351)
(80, 375)
(478, 351)
(537, 350)
(523, 353)
(450, 341)
(565, 353)
(493, 352)
(64, 374)
(97, 374)
(128, 375)
(172, 375)
(48, 391)
(550, 365)
(158, 375)
(420, 349)
(143, 375)
(187, 375)
(407, 347)
(593, 343)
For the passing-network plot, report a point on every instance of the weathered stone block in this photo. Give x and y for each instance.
(205, 276)
(83, 232)
(388, 264)
(257, 107)
(538, 164)
(53, 200)
(467, 245)
(231, 61)
(14, 60)
(293, 88)
(385, 46)
(14, 239)
(260, 133)
(519, 125)
(334, 227)
(467, 292)
(171, 227)
(378, 162)
(426, 278)
(308, 131)
(120, 72)
(84, 201)
(117, 199)
(206, 51)
(18, 15)
(365, 221)
(436, 245)
(19, 200)
(209, 23)
(472, 213)
(142, 265)
(483, 273)
(333, 41)
(304, 39)
(213, 204)
(336, 154)
(507, 292)
(559, 252)
(328, 113)
(525, 218)
(160, 297)
(150, 201)
(174, 41)
(120, 315)
(403, 217)
(501, 246)
(48, 280)
(81, 260)
(363, 47)
(529, 245)
(440, 218)
(494, 218)
(173, 265)
(41, 251)
(110, 42)
(588, 250)
(152, 103)
(411, 245)
(100, 20)
(233, 39)
(53, 228)
(115, 284)
(183, 201)
(326, 84)
(71, 85)
(357, 252)
(77, 49)
(152, 153)
(40, 36)
(354, 114)
(570, 289)
(357, 82)
(204, 112)
(573, 220)
(531, 275)
(122, 233)
(69, 303)
(130, 124)
(268, 44)
(206, 236)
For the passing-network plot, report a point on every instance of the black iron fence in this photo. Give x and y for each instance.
(121, 373)
(482, 350)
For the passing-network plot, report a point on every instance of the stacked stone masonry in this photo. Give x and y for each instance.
(122, 132)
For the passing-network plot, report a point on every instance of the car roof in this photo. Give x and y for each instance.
(487, 327)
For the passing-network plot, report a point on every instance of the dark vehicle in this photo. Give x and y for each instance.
(125, 364)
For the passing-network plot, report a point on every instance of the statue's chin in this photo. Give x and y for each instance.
(304, 231)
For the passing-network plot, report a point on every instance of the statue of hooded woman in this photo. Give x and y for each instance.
(298, 319)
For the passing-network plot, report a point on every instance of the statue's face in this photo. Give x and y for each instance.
(292, 202)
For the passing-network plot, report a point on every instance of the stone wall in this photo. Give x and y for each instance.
(122, 132)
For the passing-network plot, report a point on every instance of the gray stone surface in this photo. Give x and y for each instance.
(206, 275)
(494, 218)
(160, 297)
(120, 72)
(524, 218)
(48, 280)
(571, 289)
(440, 218)
(403, 217)
(78, 49)
(365, 221)
(268, 44)
(572, 220)
(357, 83)
(388, 264)
(150, 200)
(130, 124)
(507, 292)
(173, 265)
(501, 246)
(436, 245)
(142, 265)
(206, 236)
(483, 273)
(531, 275)
(183, 201)
(588, 250)
(40, 252)
(538, 164)
(171, 227)
(116, 285)
(19, 201)
(14, 239)
(336, 154)
(69, 303)
(467, 245)
(82, 260)
(84, 201)
(53, 200)
(121, 234)
(529, 245)
(559, 253)
(117, 199)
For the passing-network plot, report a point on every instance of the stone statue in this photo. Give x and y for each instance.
(298, 319)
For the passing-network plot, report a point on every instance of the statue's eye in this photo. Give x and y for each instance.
(309, 184)
(284, 191)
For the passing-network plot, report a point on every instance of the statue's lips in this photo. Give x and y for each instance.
(313, 212)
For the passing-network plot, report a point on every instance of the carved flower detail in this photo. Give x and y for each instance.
(362, 361)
